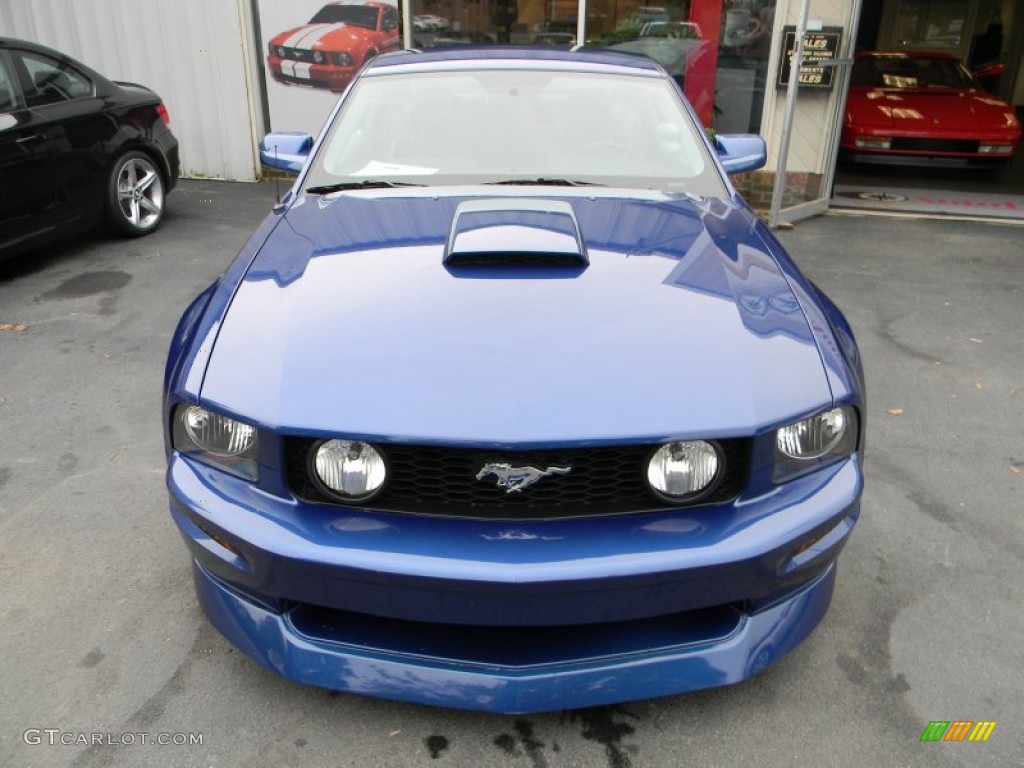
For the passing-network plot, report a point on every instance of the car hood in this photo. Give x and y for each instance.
(320, 36)
(942, 110)
(349, 322)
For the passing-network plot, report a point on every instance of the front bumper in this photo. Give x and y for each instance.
(926, 149)
(514, 617)
(625, 664)
(332, 76)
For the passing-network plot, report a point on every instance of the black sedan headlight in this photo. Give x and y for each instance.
(820, 439)
(215, 439)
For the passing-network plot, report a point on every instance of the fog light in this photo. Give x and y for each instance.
(995, 149)
(349, 469)
(872, 143)
(681, 470)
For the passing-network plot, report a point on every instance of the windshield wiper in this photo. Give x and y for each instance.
(543, 182)
(325, 189)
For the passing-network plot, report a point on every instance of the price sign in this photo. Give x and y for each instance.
(819, 46)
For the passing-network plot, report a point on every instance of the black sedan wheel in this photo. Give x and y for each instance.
(135, 195)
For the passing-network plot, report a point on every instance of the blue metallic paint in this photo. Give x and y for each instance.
(285, 151)
(458, 571)
(702, 319)
(740, 153)
(668, 285)
(502, 229)
(671, 664)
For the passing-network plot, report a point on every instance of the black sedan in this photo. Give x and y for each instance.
(77, 149)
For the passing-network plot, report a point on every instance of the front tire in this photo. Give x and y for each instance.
(135, 195)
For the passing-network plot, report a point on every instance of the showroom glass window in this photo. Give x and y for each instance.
(717, 50)
(50, 81)
(519, 22)
(930, 23)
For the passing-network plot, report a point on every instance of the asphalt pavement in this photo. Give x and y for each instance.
(101, 638)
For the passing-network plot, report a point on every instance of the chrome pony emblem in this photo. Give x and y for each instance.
(517, 478)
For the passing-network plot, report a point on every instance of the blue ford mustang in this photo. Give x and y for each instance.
(512, 404)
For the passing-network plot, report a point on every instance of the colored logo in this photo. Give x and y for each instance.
(958, 730)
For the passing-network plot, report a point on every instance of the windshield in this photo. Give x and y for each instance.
(902, 71)
(353, 15)
(494, 126)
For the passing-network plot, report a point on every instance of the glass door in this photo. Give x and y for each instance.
(814, 76)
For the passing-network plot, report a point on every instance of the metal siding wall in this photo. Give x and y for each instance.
(191, 52)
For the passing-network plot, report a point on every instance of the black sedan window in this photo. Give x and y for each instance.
(51, 81)
(8, 97)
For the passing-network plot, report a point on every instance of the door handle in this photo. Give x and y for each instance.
(32, 139)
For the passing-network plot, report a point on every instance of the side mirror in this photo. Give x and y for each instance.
(285, 151)
(988, 75)
(740, 152)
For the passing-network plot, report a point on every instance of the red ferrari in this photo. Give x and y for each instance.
(924, 108)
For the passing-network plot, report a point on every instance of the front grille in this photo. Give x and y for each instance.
(442, 481)
(935, 145)
(516, 646)
(298, 54)
(303, 80)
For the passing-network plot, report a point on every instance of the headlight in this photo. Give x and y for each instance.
(280, 52)
(349, 469)
(678, 471)
(872, 143)
(318, 57)
(215, 439)
(811, 442)
(342, 59)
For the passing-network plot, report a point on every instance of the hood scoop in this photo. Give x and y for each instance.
(506, 232)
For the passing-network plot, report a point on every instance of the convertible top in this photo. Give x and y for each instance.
(484, 53)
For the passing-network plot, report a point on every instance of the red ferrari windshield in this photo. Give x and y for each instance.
(904, 71)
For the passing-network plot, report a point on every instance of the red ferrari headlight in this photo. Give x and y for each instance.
(873, 142)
